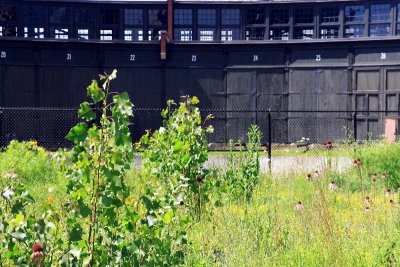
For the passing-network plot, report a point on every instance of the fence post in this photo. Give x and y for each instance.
(269, 142)
(355, 126)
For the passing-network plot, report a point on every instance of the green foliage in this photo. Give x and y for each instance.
(243, 171)
(176, 153)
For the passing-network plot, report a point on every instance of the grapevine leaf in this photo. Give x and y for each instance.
(78, 133)
(85, 112)
(94, 92)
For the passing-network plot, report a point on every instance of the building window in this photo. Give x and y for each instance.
(354, 14)
(230, 16)
(33, 14)
(303, 15)
(133, 34)
(206, 20)
(83, 34)
(106, 35)
(183, 17)
(230, 34)
(109, 16)
(230, 24)
(354, 18)
(255, 33)
(327, 32)
(83, 15)
(329, 15)
(279, 16)
(379, 20)
(34, 32)
(8, 30)
(59, 33)
(255, 24)
(59, 15)
(279, 33)
(183, 34)
(133, 16)
(157, 20)
(303, 32)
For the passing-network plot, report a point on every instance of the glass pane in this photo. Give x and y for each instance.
(398, 12)
(229, 34)
(255, 16)
(154, 34)
(206, 34)
(59, 15)
(303, 32)
(206, 17)
(133, 34)
(354, 13)
(398, 29)
(279, 16)
(8, 30)
(109, 16)
(83, 34)
(158, 17)
(354, 31)
(133, 16)
(329, 32)
(83, 15)
(183, 34)
(381, 29)
(279, 33)
(106, 34)
(59, 32)
(34, 32)
(33, 14)
(230, 16)
(7, 12)
(255, 33)
(183, 17)
(380, 12)
(303, 15)
(329, 14)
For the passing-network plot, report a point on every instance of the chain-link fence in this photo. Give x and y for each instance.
(48, 126)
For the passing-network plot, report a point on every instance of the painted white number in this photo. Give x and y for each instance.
(69, 56)
(133, 57)
(255, 58)
(3, 54)
(194, 58)
(318, 57)
(383, 56)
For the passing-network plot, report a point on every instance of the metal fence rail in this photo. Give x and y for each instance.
(49, 126)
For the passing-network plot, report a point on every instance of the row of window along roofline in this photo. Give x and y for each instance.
(204, 23)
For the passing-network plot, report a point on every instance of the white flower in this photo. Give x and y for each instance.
(162, 130)
(51, 189)
(113, 75)
(8, 193)
(51, 225)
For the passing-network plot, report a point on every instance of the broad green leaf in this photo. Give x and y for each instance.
(78, 133)
(195, 100)
(178, 146)
(168, 216)
(76, 233)
(18, 219)
(95, 92)
(85, 112)
(84, 211)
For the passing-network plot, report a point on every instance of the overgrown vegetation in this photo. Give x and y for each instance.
(93, 206)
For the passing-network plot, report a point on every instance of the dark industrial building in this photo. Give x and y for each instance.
(283, 55)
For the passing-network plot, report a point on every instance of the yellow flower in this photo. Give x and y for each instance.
(51, 199)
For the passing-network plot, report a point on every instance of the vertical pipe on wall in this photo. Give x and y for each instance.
(269, 142)
(170, 19)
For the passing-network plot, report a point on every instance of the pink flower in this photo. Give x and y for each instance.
(367, 201)
(328, 144)
(299, 206)
(37, 254)
(383, 176)
(316, 174)
(388, 192)
(373, 178)
(308, 177)
(332, 186)
(357, 163)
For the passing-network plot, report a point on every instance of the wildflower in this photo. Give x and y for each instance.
(199, 181)
(37, 254)
(8, 193)
(328, 144)
(308, 177)
(161, 130)
(51, 199)
(373, 178)
(367, 201)
(299, 206)
(113, 75)
(367, 209)
(316, 174)
(383, 176)
(179, 201)
(357, 163)
(332, 186)
(11, 174)
(391, 201)
(388, 192)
